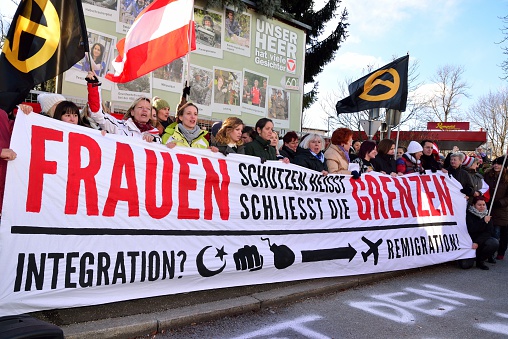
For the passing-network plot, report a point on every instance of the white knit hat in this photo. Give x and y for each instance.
(48, 100)
(414, 147)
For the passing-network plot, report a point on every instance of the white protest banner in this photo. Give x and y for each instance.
(91, 219)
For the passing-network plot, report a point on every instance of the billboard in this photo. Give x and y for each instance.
(245, 64)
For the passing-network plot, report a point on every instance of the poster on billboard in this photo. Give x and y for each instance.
(170, 77)
(209, 27)
(201, 85)
(278, 106)
(101, 9)
(101, 53)
(130, 91)
(237, 28)
(127, 12)
(226, 91)
(254, 91)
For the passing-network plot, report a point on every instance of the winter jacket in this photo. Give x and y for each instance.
(500, 208)
(308, 160)
(261, 148)
(172, 134)
(287, 152)
(336, 160)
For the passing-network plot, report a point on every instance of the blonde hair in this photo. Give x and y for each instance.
(227, 126)
(128, 114)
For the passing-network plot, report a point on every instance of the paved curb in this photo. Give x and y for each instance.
(143, 324)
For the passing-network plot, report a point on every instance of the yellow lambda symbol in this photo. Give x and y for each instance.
(50, 33)
(373, 81)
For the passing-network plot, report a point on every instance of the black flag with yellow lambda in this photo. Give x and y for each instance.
(383, 88)
(46, 38)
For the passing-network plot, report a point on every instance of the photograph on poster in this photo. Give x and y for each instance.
(131, 90)
(170, 77)
(201, 83)
(237, 28)
(128, 10)
(101, 54)
(278, 104)
(226, 91)
(254, 92)
(102, 9)
(208, 28)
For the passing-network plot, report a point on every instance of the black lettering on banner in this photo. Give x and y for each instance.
(69, 269)
(38, 275)
(154, 261)
(103, 262)
(85, 274)
(119, 272)
(133, 256)
(56, 262)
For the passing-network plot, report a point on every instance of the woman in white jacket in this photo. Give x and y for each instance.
(136, 122)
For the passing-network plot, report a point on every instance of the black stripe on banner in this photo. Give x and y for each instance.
(112, 231)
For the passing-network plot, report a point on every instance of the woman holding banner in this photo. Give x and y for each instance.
(499, 202)
(337, 154)
(260, 146)
(229, 137)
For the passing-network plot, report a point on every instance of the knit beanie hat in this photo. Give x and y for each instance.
(216, 127)
(159, 104)
(499, 160)
(48, 100)
(468, 161)
(414, 147)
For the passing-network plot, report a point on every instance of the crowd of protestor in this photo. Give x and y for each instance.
(484, 185)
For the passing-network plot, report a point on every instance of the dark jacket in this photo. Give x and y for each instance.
(500, 208)
(464, 178)
(306, 159)
(261, 148)
(384, 163)
(287, 152)
(478, 229)
(430, 163)
(225, 149)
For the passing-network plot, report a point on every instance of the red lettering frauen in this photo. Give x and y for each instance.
(39, 165)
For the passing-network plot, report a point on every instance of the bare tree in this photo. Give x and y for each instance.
(5, 20)
(444, 103)
(504, 30)
(490, 112)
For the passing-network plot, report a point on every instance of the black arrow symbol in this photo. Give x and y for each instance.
(329, 254)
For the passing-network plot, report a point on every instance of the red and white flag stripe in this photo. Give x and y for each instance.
(160, 34)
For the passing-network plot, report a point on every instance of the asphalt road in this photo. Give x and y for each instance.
(442, 302)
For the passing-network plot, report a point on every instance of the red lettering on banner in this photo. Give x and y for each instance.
(185, 185)
(421, 211)
(212, 183)
(425, 179)
(123, 167)
(151, 188)
(444, 195)
(362, 202)
(391, 197)
(87, 174)
(405, 197)
(376, 196)
(39, 166)
(375, 200)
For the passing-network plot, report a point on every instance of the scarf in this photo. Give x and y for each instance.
(319, 156)
(143, 127)
(479, 214)
(189, 135)
(412, 159)
(345, 153)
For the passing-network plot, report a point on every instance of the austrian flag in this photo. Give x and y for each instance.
(162, 32)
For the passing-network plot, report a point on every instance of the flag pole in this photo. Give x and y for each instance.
(497, 183)
(189, 33)
(397, 141)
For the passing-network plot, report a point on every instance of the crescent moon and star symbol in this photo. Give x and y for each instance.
(202, 269)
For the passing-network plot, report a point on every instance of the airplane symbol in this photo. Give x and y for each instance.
(373, 249)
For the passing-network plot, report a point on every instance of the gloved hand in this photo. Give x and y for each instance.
(263, 160)
(355, 174)
(94, 81)
(467, 191)
(433, 169)
(186, 90)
